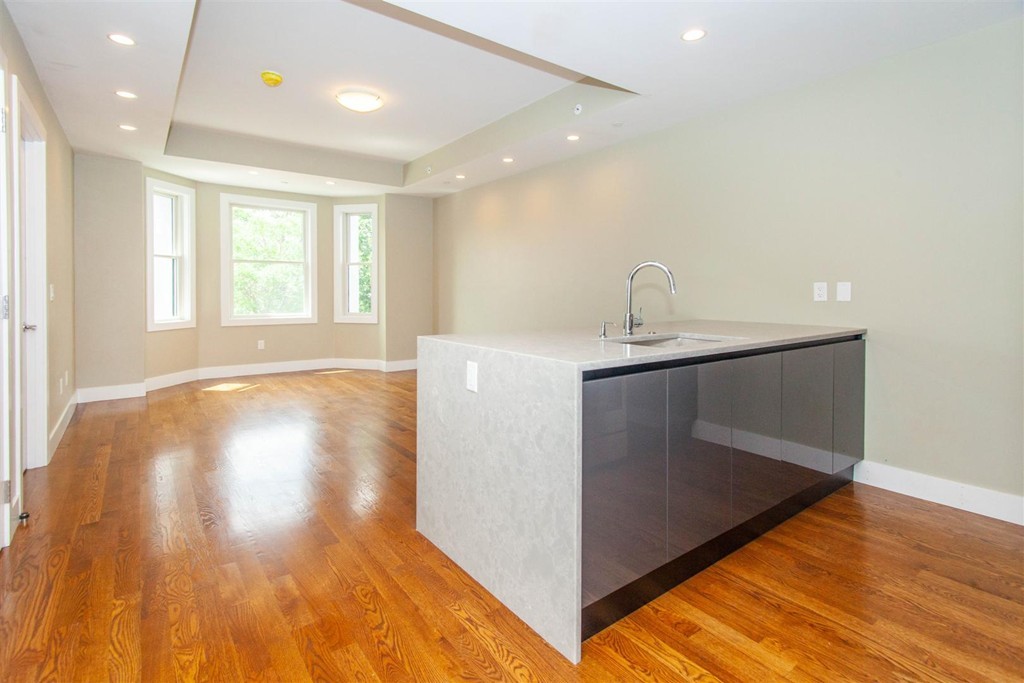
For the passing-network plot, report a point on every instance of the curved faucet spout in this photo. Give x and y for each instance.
(630, 321)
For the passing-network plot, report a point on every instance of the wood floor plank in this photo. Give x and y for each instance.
(263, 529)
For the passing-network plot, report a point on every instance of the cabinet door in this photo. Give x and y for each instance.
(807, 408)
(699, 486)
(758, 477)
(623, 480)
(848, 405)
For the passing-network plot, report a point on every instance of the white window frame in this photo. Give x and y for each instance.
(185, 216)
(227, 317)
(341, 263)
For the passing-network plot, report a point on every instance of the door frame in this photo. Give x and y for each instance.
(29, 386)
(7, 515)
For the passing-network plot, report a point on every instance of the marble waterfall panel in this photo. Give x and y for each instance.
(498, 478)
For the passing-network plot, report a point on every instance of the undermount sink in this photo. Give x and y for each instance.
(671, 339)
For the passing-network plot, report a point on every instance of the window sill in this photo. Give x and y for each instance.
(253, 322)
(172, 325)
(358, 319)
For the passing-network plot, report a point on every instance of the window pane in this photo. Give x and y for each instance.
(163, 224)
(359, 289)
(165, 288)
(268, 234)
(269, 289)
(360, 238)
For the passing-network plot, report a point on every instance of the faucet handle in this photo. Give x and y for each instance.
(638, 319)
(604, 328)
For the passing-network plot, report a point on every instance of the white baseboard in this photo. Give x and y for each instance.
(222, 371)
(90, 394)
(399, 365)
(995, 504)
(62, 426)
(357, 364)
(173, 379)
(111, 393)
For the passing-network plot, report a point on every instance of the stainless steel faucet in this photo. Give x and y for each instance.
(630, 322)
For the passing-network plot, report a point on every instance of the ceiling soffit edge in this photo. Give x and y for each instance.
(196, 142)
(568, 107)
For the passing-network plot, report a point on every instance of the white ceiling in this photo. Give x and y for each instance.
(464, 83)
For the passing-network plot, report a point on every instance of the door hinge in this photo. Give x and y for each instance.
(5, 308)
(5, 493)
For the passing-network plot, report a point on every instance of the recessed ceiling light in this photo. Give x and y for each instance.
(271, 78)
(572, 138)
(361, 101)
(460, 177)
(254, 172)
(121, 39)
(694, 34)
(125, 126)
(508, 160)
(330, 182)
(127, 95)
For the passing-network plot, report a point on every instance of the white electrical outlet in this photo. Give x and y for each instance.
(471, 375)
(821, 291)
(260, 345)
(844, 291)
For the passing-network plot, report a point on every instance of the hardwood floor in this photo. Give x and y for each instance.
(263, 529)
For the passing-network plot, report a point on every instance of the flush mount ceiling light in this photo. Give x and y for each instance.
(572, 138)
(693, 34)
(127, 95)
(121, 39)
(330, 182)
(272, 79)
(125, 126)
(460, 177)
(508, 160)
(361, 101)
(254, 172)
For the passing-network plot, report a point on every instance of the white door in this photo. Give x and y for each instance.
(6, 470)
(28, 298)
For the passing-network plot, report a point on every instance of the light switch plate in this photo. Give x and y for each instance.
(471, 375)
(821, 291)
(844, 291)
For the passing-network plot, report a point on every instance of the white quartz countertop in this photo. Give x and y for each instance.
(584, 349)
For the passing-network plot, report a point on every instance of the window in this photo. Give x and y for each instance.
(268, 261)
(170, 256)
(355, 263)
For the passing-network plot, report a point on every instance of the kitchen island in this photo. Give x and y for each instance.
(576, 478)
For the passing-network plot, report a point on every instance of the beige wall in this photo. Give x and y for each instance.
(409, 296)
(110, 271)
(904, 178)
(237, 345)
(355, 341)
(59, 223)
(111, 261)
(169, 351)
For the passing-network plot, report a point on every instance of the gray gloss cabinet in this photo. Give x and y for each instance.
(674, 458)
(623, 480)
(699, 458)
(848, 405)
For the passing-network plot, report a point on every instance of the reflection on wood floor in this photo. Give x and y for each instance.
(263, 529)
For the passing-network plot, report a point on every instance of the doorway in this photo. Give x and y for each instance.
(6, 440)
(25, 333)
